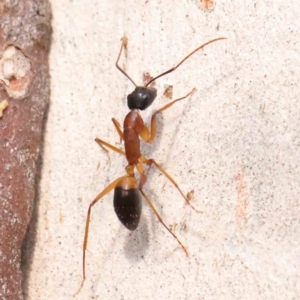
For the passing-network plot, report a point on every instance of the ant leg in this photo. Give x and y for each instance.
(124, 40)
(149, 137)
(151, 161)
(162, 222)
(101, 143)
(101, 195)
(118, 128)
(141, 170)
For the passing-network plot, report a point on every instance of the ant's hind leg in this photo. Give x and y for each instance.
(110, 187)
(162, 222)
(151, 161)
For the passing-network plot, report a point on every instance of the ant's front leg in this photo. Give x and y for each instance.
(118, 128)
(149, 137)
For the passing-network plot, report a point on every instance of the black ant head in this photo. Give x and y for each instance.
(141, 98)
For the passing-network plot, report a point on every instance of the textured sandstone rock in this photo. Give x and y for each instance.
(24, 93)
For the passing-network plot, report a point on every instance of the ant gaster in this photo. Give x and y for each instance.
(127, 192)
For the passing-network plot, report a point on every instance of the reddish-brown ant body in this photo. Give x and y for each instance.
(127, 192)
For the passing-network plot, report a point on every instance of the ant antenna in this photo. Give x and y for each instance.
(174, 68)
(124, 40)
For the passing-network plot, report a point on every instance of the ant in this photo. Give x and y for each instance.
(127, 192)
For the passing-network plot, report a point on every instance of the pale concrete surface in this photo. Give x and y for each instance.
(235, 142)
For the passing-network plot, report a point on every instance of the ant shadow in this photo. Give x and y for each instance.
(137, 242)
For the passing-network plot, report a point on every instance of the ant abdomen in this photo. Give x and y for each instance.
(128, 202)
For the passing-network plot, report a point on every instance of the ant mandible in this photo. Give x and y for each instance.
(127, 192)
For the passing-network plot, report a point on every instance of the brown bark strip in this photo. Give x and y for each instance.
(25, 32)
